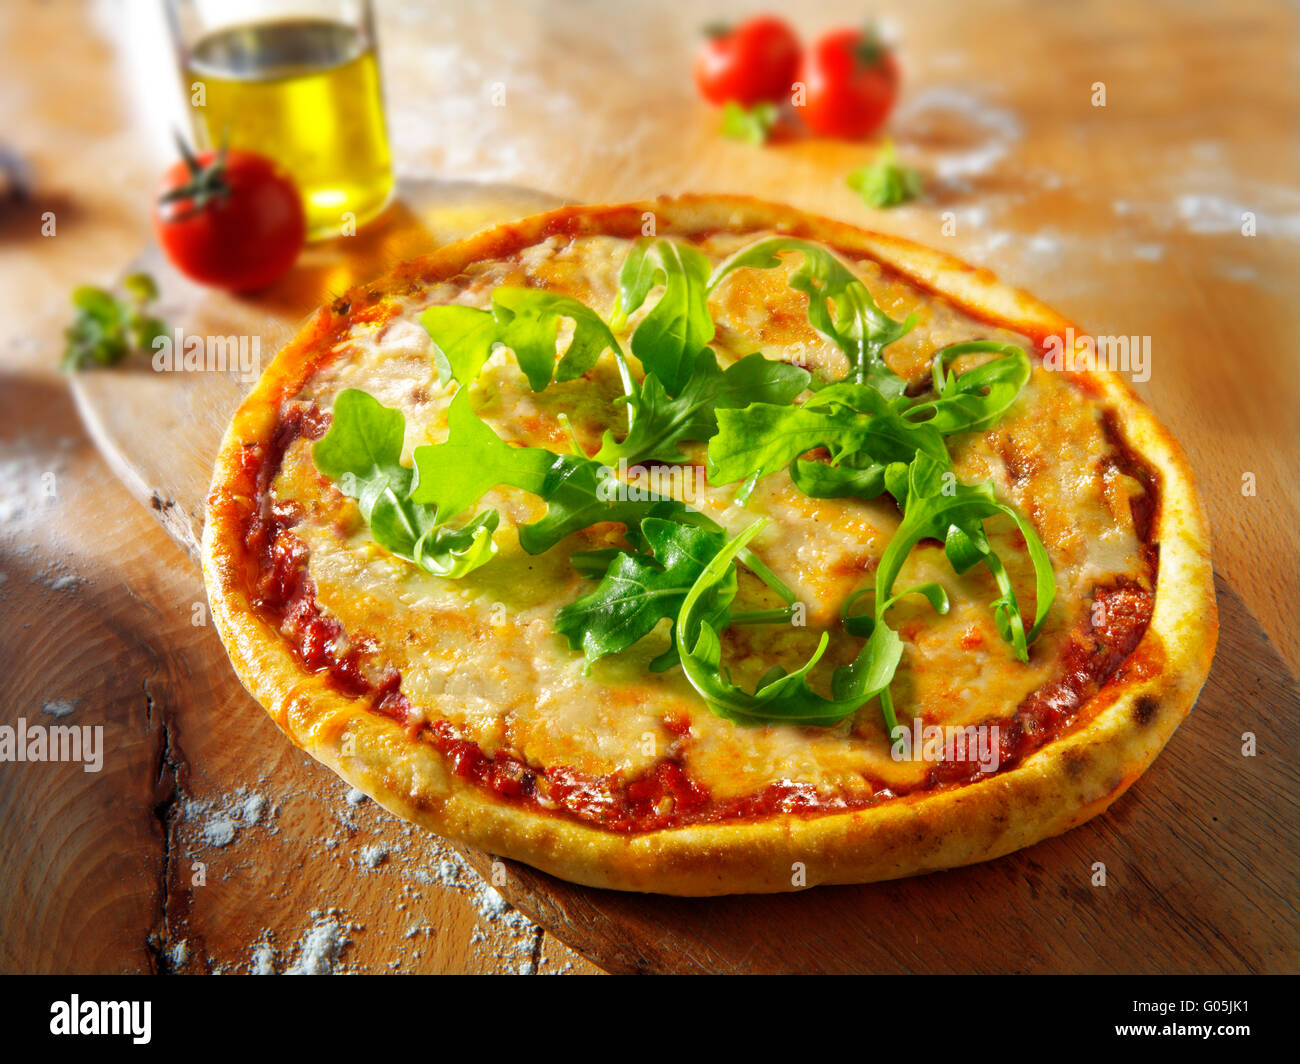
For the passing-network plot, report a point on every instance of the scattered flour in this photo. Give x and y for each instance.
(221, 819)
(1276, 212)
(219, 832)
(373, 856)
(321, 948)
(253, 808)
(491, 904)
(30, 485)
(496, 916)
(263, 960)
(60, 707)
(995, 130)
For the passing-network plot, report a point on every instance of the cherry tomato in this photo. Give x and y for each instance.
(754, 62)
(851, 81)
(230, 219)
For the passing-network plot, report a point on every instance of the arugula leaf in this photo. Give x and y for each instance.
(453, 552)
(935, 506)
(858, 475)
(593, 564)
(453, 475)
(638, 591)
(780, 696)
(855, 325)
(362, 452)
(660, 425)
(885, 182)
(751, 124)
(849, 420)
(669, 338)
(580, 492)
(864, 431)
(978, 398)
(863, 624)
(526, 320)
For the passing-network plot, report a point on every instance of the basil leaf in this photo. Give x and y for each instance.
(526, 320)
(669, 338)
(660, 425)
(855, 325)
(638, 590)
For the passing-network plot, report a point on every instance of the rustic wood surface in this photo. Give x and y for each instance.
(1128, 218)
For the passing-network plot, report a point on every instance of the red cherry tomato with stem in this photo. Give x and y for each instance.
(752, 63)
(230, 219)
(851, 82)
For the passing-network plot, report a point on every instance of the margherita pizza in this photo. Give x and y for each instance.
(702, 546)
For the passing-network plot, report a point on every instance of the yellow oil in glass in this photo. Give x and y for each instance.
(305, 93)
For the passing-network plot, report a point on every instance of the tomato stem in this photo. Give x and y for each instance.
(206, 183)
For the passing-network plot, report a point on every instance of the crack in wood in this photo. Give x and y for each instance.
(166, 797)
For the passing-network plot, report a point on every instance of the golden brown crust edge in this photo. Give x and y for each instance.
(1060, 786)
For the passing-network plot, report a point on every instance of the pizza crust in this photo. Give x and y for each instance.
(1059, 786)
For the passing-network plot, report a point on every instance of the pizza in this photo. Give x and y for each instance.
(703, 546)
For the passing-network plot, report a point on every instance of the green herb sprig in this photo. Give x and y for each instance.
(107, 329)
(885, 182)
(753, 125)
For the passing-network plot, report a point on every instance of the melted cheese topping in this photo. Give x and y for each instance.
(481, 653)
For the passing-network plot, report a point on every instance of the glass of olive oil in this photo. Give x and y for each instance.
(299, 83)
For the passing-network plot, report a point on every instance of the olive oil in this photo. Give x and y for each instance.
(305, 93)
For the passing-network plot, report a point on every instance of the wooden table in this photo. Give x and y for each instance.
(1127, 217)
